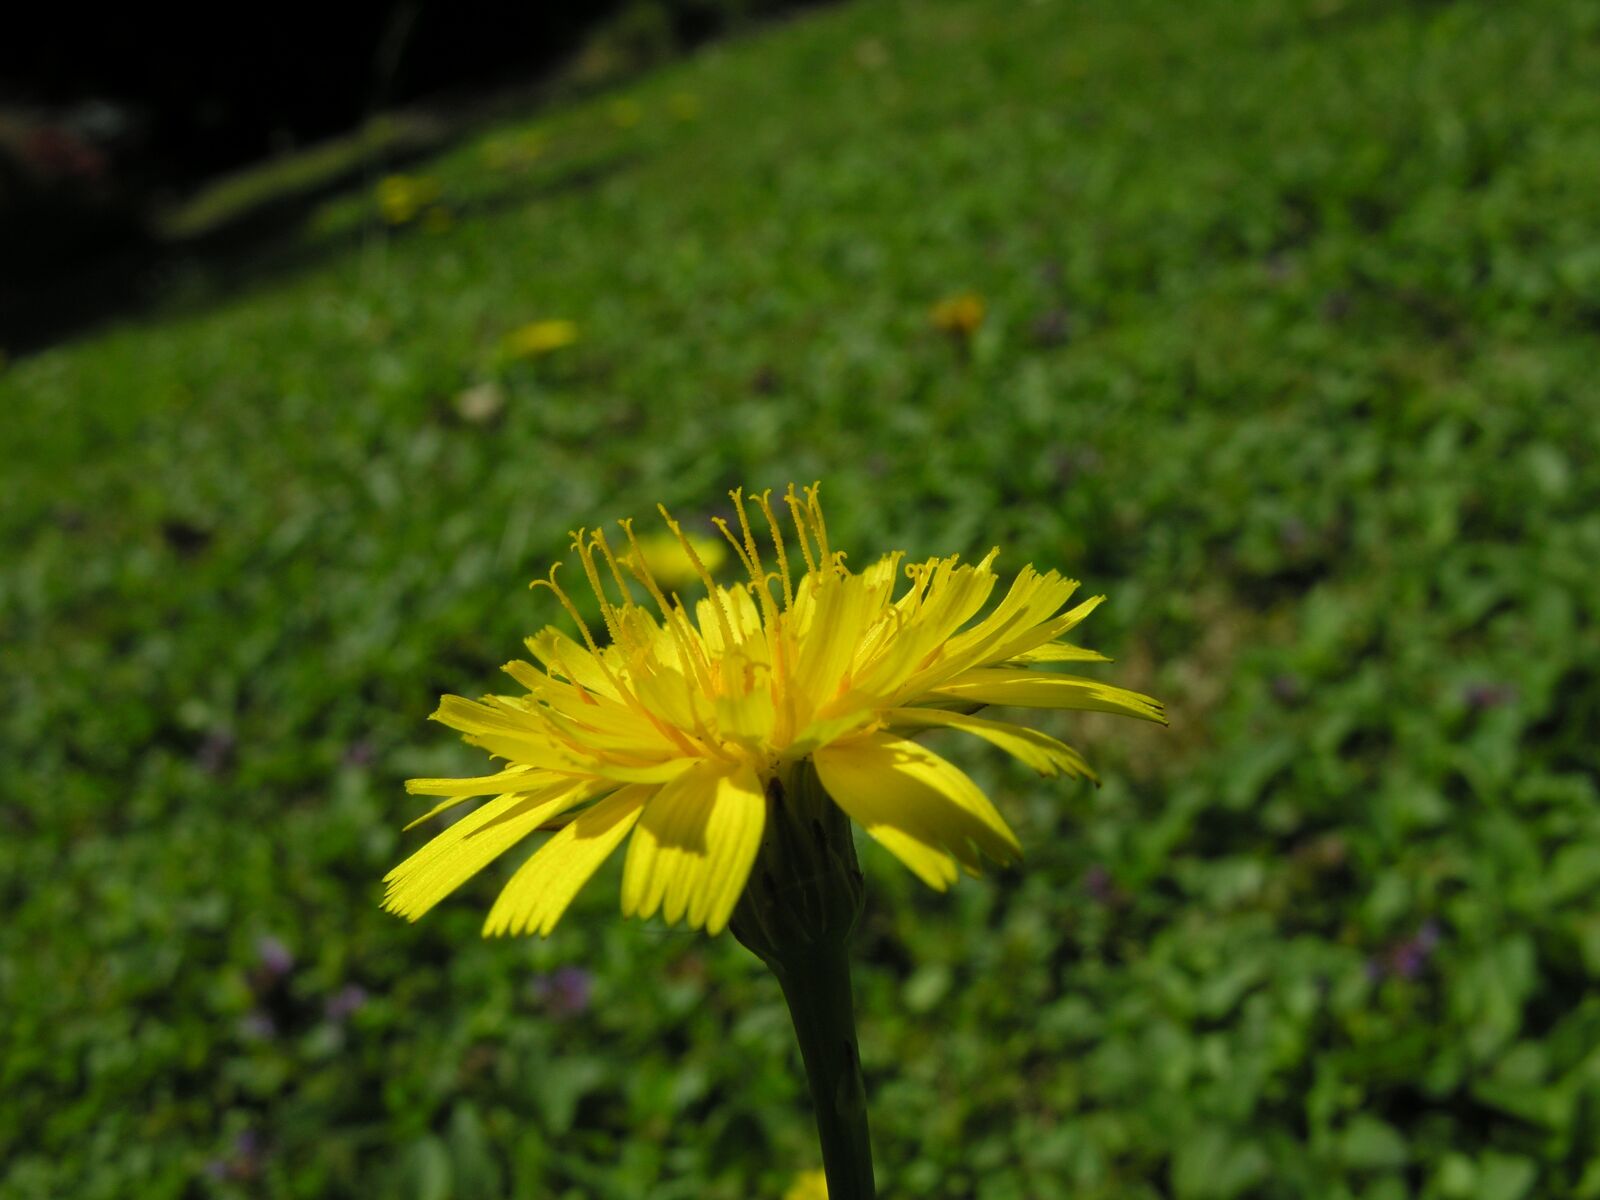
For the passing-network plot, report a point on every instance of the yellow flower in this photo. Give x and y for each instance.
(808, 1185)
(538, 338)
(402, 197)
(667, 557)
(672, 730)
(960, 316)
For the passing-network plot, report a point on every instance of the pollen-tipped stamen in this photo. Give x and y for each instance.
(819, 527)
(586, 557)
(750, 556)
(600, 661)
(744, 527)
(738, 548)
(598, 537)
(689, 643)
(798, 514)
(765, 501)
(719, 602)
(572, 609)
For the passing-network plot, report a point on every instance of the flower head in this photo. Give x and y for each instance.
(808, 1185)
(666, 556)
(958, 316)
(538, 338)
(401, 198)
(669, 723)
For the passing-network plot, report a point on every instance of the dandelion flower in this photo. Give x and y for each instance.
(958, 316)
(665, 726)
(667, 556)
(402, 197)
(538, 338)
(808, 1185)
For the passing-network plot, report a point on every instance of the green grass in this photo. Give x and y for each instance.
(1291, 350)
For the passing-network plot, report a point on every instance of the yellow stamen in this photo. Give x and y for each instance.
(797, 512)
(765, 501)
(585, 556)
(718, 600)
(677, 621)
(818, 525)
(639, 567)
(572, 610)
(744, 526)
(738, 548)
(599, 537)
(622, 689)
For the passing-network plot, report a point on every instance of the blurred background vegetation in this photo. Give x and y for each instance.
(1274, 320)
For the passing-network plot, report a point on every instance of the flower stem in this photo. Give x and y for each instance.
(817, 988)
(796, 914)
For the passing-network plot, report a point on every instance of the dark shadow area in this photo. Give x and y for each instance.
(266, 242)
(106, 122)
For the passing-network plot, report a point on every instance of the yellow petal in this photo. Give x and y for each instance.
(692, 850)
(845, 607)
(1055, 652)
(829, 729)
(565, 657)
(921, 808)
(482, 717)
(657, 773)
(517, 779)
(1032, 598)
(481, 785)
(748, 717)
(1019, 622)
(1033, 634)
(1034, 689)
(1040, 751)
(472, 843)
(539, 893)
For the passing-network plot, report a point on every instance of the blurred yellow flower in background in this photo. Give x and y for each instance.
(668, 558)
(808, 1185)
(401, 197)
(959, 316)
(538, 338)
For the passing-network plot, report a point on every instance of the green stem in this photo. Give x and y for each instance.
(797, 913)
(817, 987)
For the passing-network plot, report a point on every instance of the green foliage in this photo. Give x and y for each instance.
(1290, 349)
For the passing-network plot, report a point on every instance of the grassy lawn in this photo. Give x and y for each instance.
(1291, 347)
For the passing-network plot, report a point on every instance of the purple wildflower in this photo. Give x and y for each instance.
(216, 752)
(1407, 958)
(346, 1002)
(1099, 885)
(566, 992)
(359, 753)
(276, 959)
(1480, 696)
(258, 1026)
